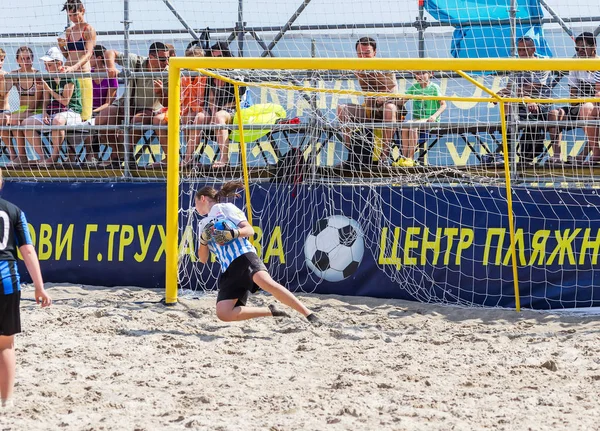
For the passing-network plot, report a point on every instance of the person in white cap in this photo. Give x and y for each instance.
(62, 106)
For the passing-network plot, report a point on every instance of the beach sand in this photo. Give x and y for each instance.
(115, 359)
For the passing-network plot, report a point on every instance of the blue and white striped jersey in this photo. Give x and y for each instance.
(232, 250)
(14, 233)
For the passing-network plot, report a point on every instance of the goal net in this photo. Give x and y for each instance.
(418, 179)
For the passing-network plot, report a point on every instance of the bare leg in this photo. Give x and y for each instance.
(586, 112)
(160, 120)
(556, 133)
(33, 137)
(5, 136)
(17, 120)
(390, 114)
(109, 117)
(193, 136)
(57, 137)
(265, 282)
(7, 366)
(228, 312)
(222, 136)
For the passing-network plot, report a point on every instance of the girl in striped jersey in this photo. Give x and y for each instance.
(242, 271)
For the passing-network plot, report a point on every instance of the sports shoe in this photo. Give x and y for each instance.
(405, 163)
(275, 312)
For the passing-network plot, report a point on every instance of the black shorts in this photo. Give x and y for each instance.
(571, 112)
(236, 282)
(10, 314)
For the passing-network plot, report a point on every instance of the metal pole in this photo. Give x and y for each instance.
(128, 89)
(421, 29)
(513, 27)
(285, 28)
(557, 18)
(182, 20)
(241, 32)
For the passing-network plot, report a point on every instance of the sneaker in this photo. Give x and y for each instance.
(405, 163)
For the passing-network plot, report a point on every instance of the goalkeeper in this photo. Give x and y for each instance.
(225, 231)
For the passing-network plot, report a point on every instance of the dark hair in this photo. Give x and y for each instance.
(587, 37)
(73, 5)
(223, 47)
(156, 47)
(24, 48)
(99, 51)
(366, 41)
(227, 190)
(526, 39)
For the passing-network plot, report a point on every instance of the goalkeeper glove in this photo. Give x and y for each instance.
(222, 237)
(206, 233)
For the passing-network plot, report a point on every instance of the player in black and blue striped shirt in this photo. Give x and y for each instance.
(242, 271)
(14, 233)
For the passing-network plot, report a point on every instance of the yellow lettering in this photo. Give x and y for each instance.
(500, 232)
(257, 240)
(431, 245)
(564, 245)
(409, 244)
(393, 259)
(111, 229)
(187, 246)
(144, 242)
(62, 241)
(590, 245)
(466, 239)
(125, 239)
(161, 249)
(45, 243)
(275, 247)
(450, 232)
(86, 242)
(520, 247)
(538, 246)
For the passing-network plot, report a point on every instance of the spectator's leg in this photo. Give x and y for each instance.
(222, 136)
(413, 137)
(405, 142)
(5, 135)
(193, 136)
(390, 115)
(110, 138)
(160, 120)
(586, 112)
(141, 118)
(555, 133)
(17, 119)
(349, 114)
(57, 137)
(33, 136)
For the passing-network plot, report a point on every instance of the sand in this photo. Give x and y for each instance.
(114, 359)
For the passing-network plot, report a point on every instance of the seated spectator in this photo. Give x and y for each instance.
(532, 85)
(386, 109)
(221, 105)
(423, 111)
(78, 48)
(104, 94)
(149, 95)
(192, 111)
(4, 105)
(582, 84)
(30, 91)
(62, 106)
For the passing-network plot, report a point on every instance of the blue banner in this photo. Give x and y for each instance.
(436, 244)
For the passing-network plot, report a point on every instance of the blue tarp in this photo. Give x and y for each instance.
(479, 32)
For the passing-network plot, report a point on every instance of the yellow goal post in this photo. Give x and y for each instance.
(458, 66)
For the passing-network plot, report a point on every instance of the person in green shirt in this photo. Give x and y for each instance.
(423, 111)
(62, 106)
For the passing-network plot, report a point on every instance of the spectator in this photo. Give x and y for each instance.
(532, 85)
(582, 84)
(78, 48)
(386, 109)
(192, 111)
(30, 91)
(62, 106)
(104, 94)
(172, 52)
(149, 94)
(221, 105)
(4, 105)
(423, 111)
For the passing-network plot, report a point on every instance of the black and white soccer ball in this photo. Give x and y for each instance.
(334, 248)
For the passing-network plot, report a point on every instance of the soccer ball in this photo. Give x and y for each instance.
(334, 248)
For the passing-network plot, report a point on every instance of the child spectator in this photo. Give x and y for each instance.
(423, 111)
(4, 106)
(62, 106)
